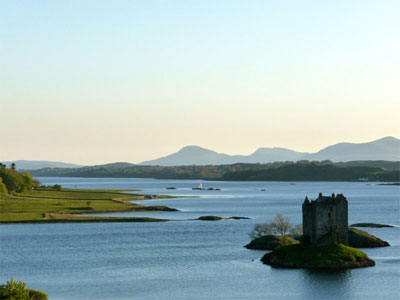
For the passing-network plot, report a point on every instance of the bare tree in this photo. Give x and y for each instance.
(297, 230)
(281, 224)
(261, 230)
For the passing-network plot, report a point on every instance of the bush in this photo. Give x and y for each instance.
(16, 182)
(37, 295)
(36, 183)
(12, 180)
(57, 187)
(3, 188)
(28, 181)
(16, 290)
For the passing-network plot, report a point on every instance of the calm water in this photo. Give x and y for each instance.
(195, 259)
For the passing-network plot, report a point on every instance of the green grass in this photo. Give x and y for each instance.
(269, 242)
(49, 205)
(78, 194)
(335, 256)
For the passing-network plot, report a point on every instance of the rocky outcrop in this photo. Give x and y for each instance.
(270, 242)
(371, 225)
(362, 239)
(216, 218)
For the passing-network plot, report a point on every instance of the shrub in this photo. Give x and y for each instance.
(28, 181)
(36, 183)
(12, 180)
(37, 295)
(3, 188)
(16, 290)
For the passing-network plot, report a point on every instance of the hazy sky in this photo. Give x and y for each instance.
(102, 81)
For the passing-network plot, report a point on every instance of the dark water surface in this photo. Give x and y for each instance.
(195, 259)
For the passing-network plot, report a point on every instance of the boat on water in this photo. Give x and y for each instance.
(201, 188)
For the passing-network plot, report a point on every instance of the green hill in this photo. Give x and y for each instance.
(280, 171)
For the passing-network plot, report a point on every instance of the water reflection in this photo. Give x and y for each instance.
(336, 284)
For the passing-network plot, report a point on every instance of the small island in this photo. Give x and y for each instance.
(356, 238)
(303, 255)
(371, 225)
(270, 242)
(325, 240)
(362, 239)
(201, 188)
(217, 218)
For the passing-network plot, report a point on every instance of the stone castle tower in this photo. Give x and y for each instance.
(325, 216)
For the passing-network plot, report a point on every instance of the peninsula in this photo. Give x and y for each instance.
(24, 200)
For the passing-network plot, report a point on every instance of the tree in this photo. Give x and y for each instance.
(28, 181)
(3, 188)
(14, 290)
(297, 230)
(13, 166)
(12, 180)
(36, 183)
(261, 230)
(281, 224)
(15, 181)
(57, 187)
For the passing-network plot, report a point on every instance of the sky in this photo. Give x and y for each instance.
(94, 82)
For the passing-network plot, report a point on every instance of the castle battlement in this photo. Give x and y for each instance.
(326, 215)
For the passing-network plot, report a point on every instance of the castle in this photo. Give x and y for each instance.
(325, 217)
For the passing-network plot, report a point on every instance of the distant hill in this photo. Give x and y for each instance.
(39, 164)
(311, 171)
(195, 155)
(387, 148)
(113, 165)
(192, 155)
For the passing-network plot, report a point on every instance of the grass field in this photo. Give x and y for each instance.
(47, 205)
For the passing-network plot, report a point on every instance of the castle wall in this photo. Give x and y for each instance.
(326, 215)
(307, 220)
(342, 221)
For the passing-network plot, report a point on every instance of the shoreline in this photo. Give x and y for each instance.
(46, 205)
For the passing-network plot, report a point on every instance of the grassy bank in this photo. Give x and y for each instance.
(334, 257)
(47, 205)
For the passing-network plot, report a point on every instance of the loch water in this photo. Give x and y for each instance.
(189, 259)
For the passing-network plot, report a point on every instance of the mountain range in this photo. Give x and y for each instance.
(387, 148)
(39, 164)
